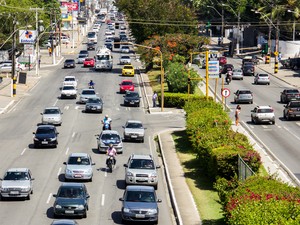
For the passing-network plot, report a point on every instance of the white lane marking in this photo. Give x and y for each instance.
(264, 126)
(142, 99)
(298, 123)
(105, 174)
(77, 107)
(102, 199)
(34, 86)
(150, 145)
(23, 151)
(67, 150)
(66, 107)
(55, 102)
(13, 108)
(59, 170)
(292, 133)
(73, 135)
(49, 198)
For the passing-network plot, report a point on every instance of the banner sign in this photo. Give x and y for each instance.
(27, 36)
(72, 6)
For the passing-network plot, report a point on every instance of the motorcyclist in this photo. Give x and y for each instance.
(91, 84)
(228, 76)
(105, 121)
(111, 152)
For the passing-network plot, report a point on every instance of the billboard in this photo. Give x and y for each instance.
(27, 36)
(72, 6)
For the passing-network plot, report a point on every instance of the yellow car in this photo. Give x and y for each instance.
(128, 70)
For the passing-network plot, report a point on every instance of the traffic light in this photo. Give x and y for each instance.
(208, 25)
(264, 48)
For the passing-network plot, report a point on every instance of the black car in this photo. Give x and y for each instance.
(248, 69)
(109, 45)
(69, 63)
(90, 46)
(45, 135)
(132, 98)
(71, 200)
(290, 94)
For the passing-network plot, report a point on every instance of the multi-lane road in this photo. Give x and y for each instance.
(77, 134)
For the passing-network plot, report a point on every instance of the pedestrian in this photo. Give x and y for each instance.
(237, 115)
(39, 62)
(50, 51)
(279, 56)
(154, 98)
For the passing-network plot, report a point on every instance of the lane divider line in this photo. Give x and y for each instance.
(67, 150)
(102, 199)
(49, 198)
(23, 151)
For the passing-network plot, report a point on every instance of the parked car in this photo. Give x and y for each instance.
(128, 70)
(45, 136)
(92, 37)
(89, 62)
(243, 96)
(71, 200)
(126, 85)
(139, 203)
(262, 78)
(288, 95)
(69, 63)
(237, 74)
(79, 167)
(141, 170)
(86, 94)
(107, 137)
(70, 80)
(52, 115)
(125, 59)
(68, 91)
(134, 130)
(262, 114)
(90, 46)
(291, 110)
(132, 98)
(94, 105)
(16, 183)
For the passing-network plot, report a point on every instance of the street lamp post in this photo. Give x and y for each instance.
(222, 17)
(294, 23)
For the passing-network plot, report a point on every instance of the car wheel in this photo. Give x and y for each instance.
(273, 122)
(252, 120)
(91, 179)
(251, 102)
(124, 221)
(288, 117)
(155, 187)
(155, 222)
(84, 215)
(142, 140)
(28, 197)
(281, 100)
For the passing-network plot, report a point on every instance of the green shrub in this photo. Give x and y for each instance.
(178, 100)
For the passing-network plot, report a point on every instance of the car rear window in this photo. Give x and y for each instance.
(263, 75)
(294, 91)
(132, 94)
(51, 111)
(128, 67)
(265, 110)
(88, 92)
(244, 92)
(68, 88)
(74, 160)
(126, 83)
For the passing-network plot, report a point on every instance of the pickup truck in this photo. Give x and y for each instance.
(291, 110)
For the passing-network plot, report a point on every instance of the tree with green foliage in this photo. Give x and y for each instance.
(155, 17)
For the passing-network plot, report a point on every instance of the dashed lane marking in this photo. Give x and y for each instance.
(48, 199)
(67, 150)
(23, 151)
(102, 199)
(59, 170)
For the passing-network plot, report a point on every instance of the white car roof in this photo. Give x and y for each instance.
(18, 170)
(69, 77)
(79, 154)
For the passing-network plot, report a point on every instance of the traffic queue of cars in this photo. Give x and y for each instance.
(260, 114)
(139, 202)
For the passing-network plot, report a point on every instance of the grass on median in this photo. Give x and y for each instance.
(206, 199)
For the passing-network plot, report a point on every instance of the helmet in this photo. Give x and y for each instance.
(110, 145)
(106, 116)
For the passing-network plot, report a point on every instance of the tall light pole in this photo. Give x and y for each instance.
(222, 17)
(294, 23)
(238, 27)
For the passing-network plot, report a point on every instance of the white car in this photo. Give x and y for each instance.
(70, 80)
(125, 49)
(64, 40)
(95, 29)
(262, 114)
(81, 59)
(68, 91)
(52, 115)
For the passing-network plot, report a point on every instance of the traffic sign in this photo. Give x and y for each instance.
(276, 53)
(225, 92)
(213, 69)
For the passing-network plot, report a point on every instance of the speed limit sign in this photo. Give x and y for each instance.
(225, 92)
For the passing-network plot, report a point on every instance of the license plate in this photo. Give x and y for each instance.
(69, 211)
(45, 142)
(132, 103)
(93, 108)
(68, 95)
(133, 136)
(14, 192)
(77, 175)
(139, 215)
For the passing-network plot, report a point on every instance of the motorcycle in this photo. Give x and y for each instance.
(106, 126)
(228, 78)
(110, 163)
(91, 85)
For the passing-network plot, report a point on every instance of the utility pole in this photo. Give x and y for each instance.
(238, 33)
(13, 72)
(222, 31)
(276, 46)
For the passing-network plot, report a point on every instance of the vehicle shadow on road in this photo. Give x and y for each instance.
(116, 217)
(121, 184)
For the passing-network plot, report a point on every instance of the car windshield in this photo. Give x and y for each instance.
(91, 35)
(77, 160)
(125, 47)
(16, 176)
(93, 100)
(132, 94)
(45, 130)
(69, 79)
(141, 164)
(263, 75)
(71, 192)
(88, 92)
(111, 137)
(294, 91)
(139, 196)
(125, 57)
(237, 71)
(134, 125)
(265, 110)
(81, 56)
(68, 88)
(128, 67)
(295, 104)
(70, 60)
(102, 57)
(51, 111)
(88, 59)
(126, 83)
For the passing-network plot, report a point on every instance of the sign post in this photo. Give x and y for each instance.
(225, 92)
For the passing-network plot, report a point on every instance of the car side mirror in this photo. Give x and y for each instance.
(87, 196)
(158, 167)
(93, 164)
(64, 163)
(41, 113)
(57, 132)
(159, 200)
(125, 165)
(32, 178)
(33, 132)
(123, 127)
(1, 179)
(54, 195)
(284, 106)
(121, 199)
(252, 110)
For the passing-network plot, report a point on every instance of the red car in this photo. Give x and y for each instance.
(126, 85)
(222, 60)
(89, 62)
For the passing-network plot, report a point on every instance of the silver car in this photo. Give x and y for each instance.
(134, 130)
(79, 167)
(109, 137)
(94, 105)
(17, 183)
(52, 115)
(141, 169)
(262, 78)
(125, 59)
(81, 59)
(243, 96)
(237, 74)
(86, 94)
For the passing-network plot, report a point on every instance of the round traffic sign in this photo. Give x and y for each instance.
(225, 92)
